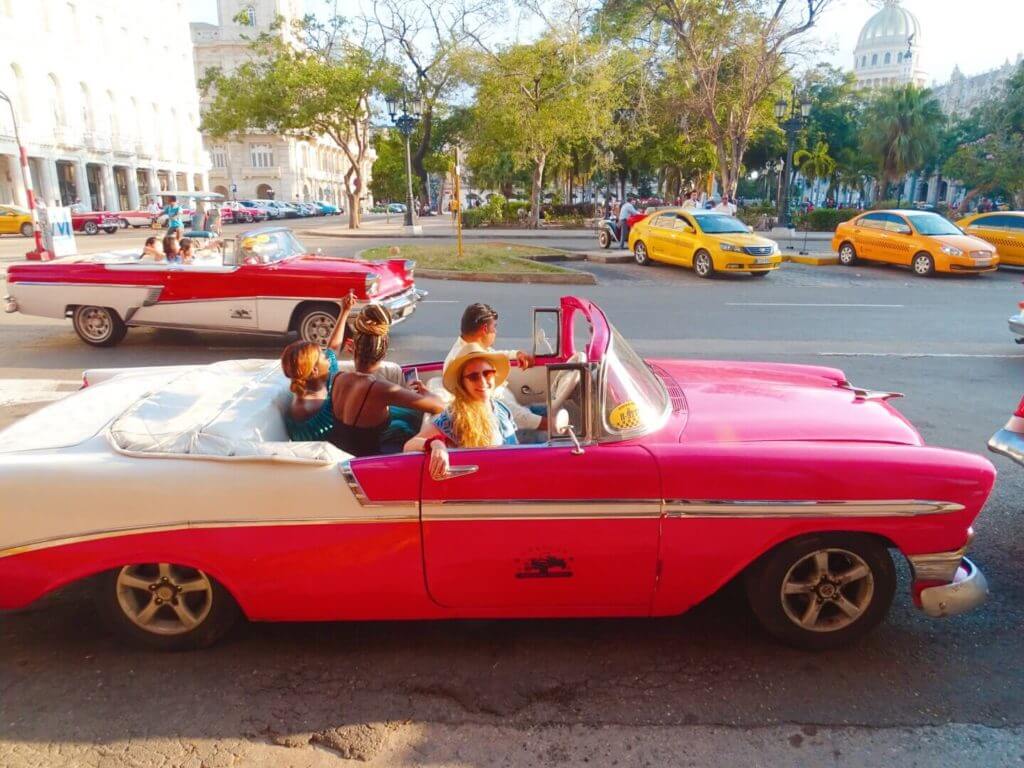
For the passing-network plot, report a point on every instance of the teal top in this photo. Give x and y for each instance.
(317, 426)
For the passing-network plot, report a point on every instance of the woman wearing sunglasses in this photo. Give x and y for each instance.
(476, 418)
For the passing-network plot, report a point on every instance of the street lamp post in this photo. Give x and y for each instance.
(406, 123)
(798, 114)
(39, 253)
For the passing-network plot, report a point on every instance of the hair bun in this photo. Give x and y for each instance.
(374, 320)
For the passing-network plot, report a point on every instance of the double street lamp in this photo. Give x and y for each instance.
(405, 114)
(799, 110)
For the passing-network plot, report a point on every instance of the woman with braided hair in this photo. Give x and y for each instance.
(360, 401)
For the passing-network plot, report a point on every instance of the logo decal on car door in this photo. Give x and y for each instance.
(241, 314)
(544, 567)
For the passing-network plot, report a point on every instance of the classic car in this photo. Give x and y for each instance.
(1009, 441)
(91, 222)
(707, 241)
(137, 218)
(327, 209)
(234, 212)
(263, 282)
(923, 241)
(661, 481)
(15, 221)
(1002, 229)
(266, 211)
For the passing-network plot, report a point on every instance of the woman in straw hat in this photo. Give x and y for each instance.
(476, 418)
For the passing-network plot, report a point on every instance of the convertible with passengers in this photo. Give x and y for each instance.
(263, 282)
(181, 498)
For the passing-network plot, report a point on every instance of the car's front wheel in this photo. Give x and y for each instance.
(822, 591)
(847, 255)
(165, 607)
(26, 230)
(90, 228)
(924, 265)
(703, 264)
(98, 326)
(640, 254)
(316, 323)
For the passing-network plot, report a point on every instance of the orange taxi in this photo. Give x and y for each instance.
(921, 240)
(1003, 229)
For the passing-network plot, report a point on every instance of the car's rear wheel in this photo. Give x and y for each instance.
(123, 223)
(316, 323)
(923, 265)
(703, 264)
(640, 254)
(847, 255)
(822, 591)
(98, 326)
(90, 228)
(604, 239)
(26, 230)
(164, 606)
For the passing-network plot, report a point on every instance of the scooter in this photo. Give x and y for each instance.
(608, 233)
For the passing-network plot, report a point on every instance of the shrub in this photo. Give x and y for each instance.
(494, 210)
(474, 218)
(575, 210)
(824, 219)
(879, 205)
(513, 209)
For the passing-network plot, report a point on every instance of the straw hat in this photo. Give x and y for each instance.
(474, 351)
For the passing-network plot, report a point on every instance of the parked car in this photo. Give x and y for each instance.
(259, 205)
(1009, 441)
(136, 218)
(661, 481)
(327, 209)
(1003, 230)
(707, 241)
(284, 210)
(15, 221)
(923, 241)
(91, 222)
(268, 284)
(396, 208)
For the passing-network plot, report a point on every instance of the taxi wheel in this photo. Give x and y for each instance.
(924, 265)
(640, 254)
(164, 606)
(26, 230)
(822, 591)
(98, 326)
(703, 264)
(847, 255)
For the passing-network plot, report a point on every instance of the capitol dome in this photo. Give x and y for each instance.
(887, 52)
(892, 24)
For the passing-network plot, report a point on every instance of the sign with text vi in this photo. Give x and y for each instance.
(58, 234)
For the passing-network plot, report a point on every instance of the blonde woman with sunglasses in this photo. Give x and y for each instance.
(476, 418)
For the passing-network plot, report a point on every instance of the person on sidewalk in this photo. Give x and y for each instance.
(726, 206)
(692, 200)
(627, 210)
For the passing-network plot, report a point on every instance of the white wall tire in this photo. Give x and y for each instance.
(98, 326)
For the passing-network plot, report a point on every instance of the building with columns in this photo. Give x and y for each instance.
(106, 102)
(266, 166)
(888, 49)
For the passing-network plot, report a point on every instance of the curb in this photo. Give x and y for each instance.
(812, 261)
(501, 234)
(610, 257)
(548, 278)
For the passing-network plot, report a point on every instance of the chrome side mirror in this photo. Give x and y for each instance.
(563, 427)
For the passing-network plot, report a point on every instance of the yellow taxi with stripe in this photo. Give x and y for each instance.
(15, 221)
(1003, 229)
(708, 241)
(921, 240)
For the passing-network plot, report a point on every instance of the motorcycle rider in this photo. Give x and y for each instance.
(627, 210)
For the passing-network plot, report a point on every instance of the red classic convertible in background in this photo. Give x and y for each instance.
(661, 481)
(91, 222)
(264, 282)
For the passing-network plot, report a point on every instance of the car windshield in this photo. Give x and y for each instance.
(719, 223)
(933, 224)
(266, 246)
(633, 400)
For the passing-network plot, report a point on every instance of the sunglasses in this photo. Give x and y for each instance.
(478, 376)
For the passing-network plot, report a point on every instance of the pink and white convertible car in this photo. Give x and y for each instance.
(263, 282)
(180, 497)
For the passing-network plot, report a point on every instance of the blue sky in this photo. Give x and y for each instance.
(976, 36)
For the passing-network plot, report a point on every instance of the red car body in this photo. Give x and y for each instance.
(91, 222)
(270, 292)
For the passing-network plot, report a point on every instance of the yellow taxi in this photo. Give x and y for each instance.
(921, 240)
(15, 221)
(1003, 229)
(707, 241)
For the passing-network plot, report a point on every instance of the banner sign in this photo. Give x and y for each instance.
(58, 234)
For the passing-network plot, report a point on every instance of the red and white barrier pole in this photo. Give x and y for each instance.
(39, 253)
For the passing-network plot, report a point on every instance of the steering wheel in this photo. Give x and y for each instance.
(564, 382)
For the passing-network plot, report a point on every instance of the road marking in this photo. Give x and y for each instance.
(795, 304)
(22, 391)
(914, 354)
(439, 301)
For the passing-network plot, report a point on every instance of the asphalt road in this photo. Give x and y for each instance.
(706, 688)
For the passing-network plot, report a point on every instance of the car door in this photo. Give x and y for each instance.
(995, 229)
(896, 242)
(868, 232)
(685, 238)
(542, 530)
(659, 235)
(8, 221)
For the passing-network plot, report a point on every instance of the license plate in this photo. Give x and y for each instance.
(982, 262)
(762, 259)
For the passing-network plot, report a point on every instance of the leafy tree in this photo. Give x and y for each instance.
(320, 87)
(389, 170)
(902, 131)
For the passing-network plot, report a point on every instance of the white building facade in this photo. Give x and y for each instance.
(266, 166)
(888, 49)
(106, 103)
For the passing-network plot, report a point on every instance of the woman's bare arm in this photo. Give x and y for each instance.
(338, 334)
(416, 443)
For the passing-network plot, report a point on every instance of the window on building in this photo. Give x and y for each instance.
(57, 101)
(874, 59)
(863, 61)
(888, 58)
(87, 122)
(261, 156)
(220, 157)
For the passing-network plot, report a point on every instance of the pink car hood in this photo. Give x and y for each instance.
(751, 402)
(392, 272)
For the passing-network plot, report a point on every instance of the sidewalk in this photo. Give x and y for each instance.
(441, 227)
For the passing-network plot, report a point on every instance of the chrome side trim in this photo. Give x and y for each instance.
(541, 509)
(937, 566)
(83, 285)
(364, 501)
(202, 525)
(866, 508)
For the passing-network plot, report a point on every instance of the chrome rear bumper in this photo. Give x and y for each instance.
(1009, 444)
(966, 590)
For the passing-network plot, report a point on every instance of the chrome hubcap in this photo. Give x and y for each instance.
(317, 328)
(846, 254)
(641, 253)
(922, 265)
(95, 323)
(702, 264)
(827, 590)
(164, 599)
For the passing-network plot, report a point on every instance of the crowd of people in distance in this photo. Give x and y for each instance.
(365, 413)
(175, 247)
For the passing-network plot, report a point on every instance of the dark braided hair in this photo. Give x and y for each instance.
(371, 330)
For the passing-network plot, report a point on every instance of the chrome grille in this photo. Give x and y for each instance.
(759, 250)
(675, 392)
(981, 254)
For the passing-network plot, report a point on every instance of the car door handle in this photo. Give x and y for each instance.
(526, 390)
(465, 469)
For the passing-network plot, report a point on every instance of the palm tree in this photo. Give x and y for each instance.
(902, 131)
(816, 163)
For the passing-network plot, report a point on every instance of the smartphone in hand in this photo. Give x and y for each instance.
(411, 375)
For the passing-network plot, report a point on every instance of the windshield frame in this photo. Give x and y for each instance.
(914, 217)
(701, 216)
(605, 433)
(239, 259)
